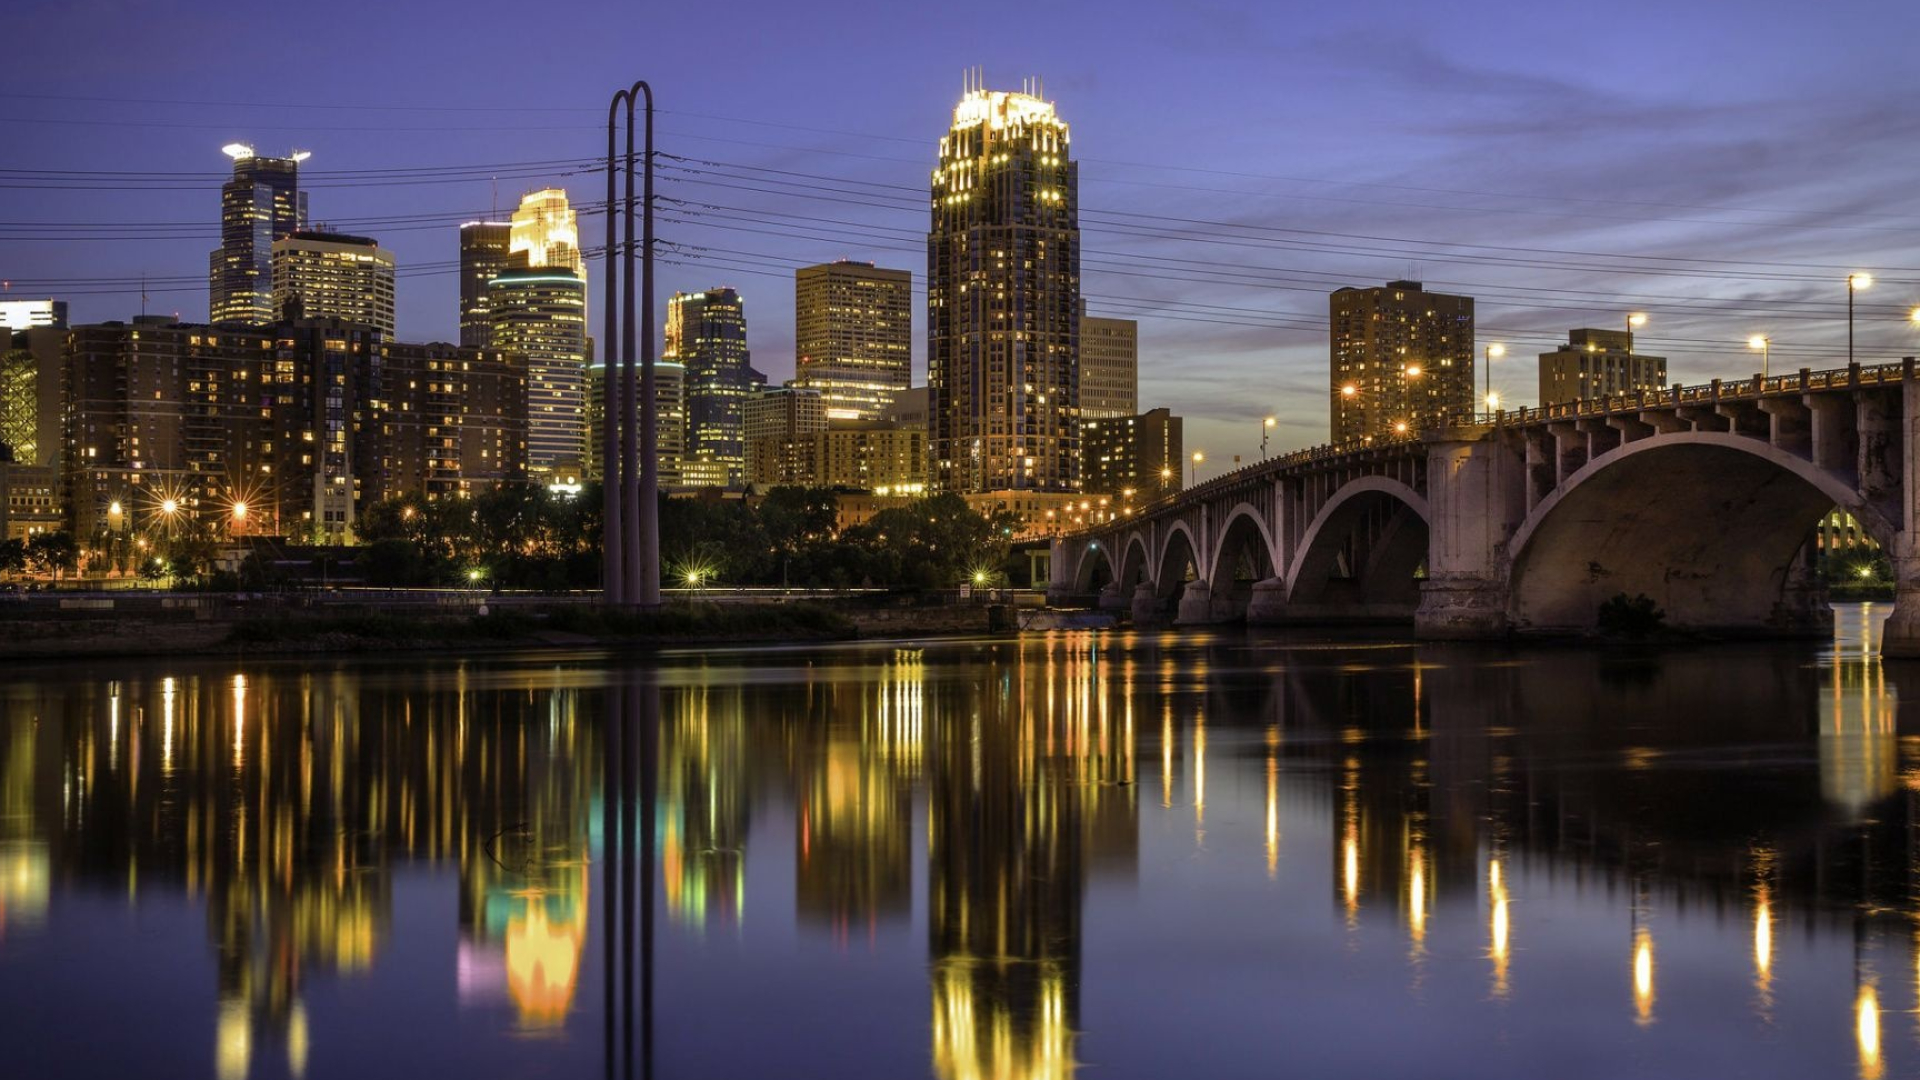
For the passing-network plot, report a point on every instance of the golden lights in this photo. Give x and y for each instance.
(1642, 975)
(1866, 1031)
(1499, 943)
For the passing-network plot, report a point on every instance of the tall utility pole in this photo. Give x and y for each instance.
(630, 473)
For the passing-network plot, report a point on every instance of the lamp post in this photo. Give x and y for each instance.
(1764, 344)
(1166, 481)
(1198, 457)
(1855, 283)
(1266, 429)
(1494, 352)
(1634, 322)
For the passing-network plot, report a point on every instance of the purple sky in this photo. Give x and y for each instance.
(1718, 164)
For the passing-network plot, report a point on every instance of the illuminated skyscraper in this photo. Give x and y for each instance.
(484, 254)
(1402, 360)
(707, 332)
(670, 398)
(261, 204)
(541, 316)
(853, 325)
(545, 233)
(319, 275)
(1003, 298)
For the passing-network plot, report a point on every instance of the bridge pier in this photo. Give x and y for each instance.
(1196, 605)
(1477, 496)
(1148, 608)
(1114, 598)
(1901, 634)
(1269, 604)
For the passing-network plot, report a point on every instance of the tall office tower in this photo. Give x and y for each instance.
(545, 232)
(540, 315)
(1109, 367)
(1595, 364)
(853, 325)
(261, 204)
(320, 275)
(779, 425)
(1136, 457)
(1003, 299)
(670, 432)
(33, 314)
(1402, 360)
(707, 332)
(485, 251)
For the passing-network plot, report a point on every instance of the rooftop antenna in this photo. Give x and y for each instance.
(495, 216)
(143, 294)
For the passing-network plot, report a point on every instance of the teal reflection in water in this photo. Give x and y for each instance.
(1146, 855)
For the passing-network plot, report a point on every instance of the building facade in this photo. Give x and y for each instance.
(1598, 363)
(29, 498)
(540, 318)
(485, 253)
(870, 455)
(780, 425)
(1003, 299)
(707, 333)
(1137, 458)
(33, 314)
(670, 423)
(853, 326)
(319, 275)
(1402, 360)
(262, 203)
(1109, 367)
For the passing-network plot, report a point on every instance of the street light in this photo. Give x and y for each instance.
(1634, 322)
(1765, 346)
(1198, 457)
(1855, 282)
(1494, 352)
(1266, 429)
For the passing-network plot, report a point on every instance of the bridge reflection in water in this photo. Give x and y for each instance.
(1219, 827)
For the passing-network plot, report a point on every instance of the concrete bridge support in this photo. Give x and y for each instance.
(1901, 636)
(1477, 495)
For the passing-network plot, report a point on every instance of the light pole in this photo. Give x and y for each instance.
(1855, 283)
(1348, 392)
(1266, 429)
(1634, 322)
(1765, 345)
(1494, 352)
(1198, 457)
(1166, 481)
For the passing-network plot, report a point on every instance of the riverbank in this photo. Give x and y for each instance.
(194, 628)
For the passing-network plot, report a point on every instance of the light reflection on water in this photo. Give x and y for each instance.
(1361, 859)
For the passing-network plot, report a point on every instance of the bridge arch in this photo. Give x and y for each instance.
(1088, 576)
(1722, 546)
(1178, 551)
(1360, 556)
(1243, 555)
(1135, 561)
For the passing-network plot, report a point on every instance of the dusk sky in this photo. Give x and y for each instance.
(1719, 165)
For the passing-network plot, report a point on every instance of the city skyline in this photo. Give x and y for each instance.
(1474, 151)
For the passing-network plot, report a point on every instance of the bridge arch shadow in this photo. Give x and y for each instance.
(1715, 527)
(1361, 556)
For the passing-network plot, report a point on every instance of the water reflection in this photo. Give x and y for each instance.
(1464, 834)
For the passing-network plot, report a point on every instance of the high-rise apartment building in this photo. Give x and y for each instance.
(1140, 455)
(707, 332)
(1402, 360)
(320, 275)
(540, 317)
(485, 252)
(779, 424)
(1003, 299)
(1109, 367)
(261, 204)
(33, 314)
(1595, 364)
(853, 325)
(545, 232)
(670, 425)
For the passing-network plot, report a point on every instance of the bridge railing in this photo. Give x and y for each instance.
(1709, 393)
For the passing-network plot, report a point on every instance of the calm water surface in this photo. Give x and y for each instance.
(1139, 856)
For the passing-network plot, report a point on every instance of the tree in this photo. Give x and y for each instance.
(52, 552)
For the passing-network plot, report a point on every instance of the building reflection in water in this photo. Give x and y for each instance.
(705, 802)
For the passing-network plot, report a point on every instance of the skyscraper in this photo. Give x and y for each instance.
(853, 342)
(1402, 360)
(545, 232)
(261, 204)
(540, 315)
(707, 332)
(670, 403)
(319, 275)
(485, 251)
(1109, 367)
(1003, 298)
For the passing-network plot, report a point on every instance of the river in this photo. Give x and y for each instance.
(1139, 855)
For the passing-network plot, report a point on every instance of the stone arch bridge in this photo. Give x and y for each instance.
(1704, 498)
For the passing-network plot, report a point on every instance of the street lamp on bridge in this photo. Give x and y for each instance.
(1764, 345)
(1266, 429)
(1494, 352)
(1855, 283)
(1198, 457)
